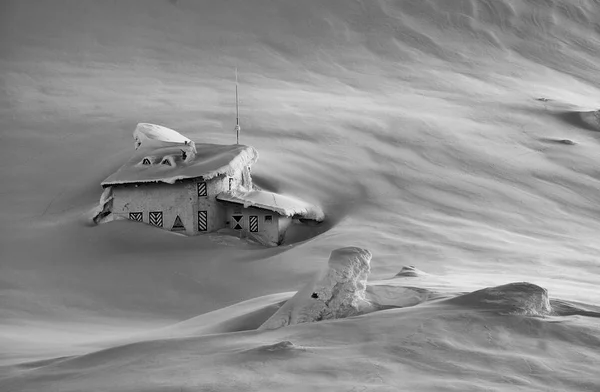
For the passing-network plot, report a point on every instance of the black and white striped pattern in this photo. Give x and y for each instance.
(202, 189)
(156, 218)
(253, 224)
(136, 216)
(202, 221)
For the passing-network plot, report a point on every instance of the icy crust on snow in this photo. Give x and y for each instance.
(336, 292)
(152, 136)
(283, 205)
(209, 161)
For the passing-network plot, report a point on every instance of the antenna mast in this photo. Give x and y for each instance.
(237, 110)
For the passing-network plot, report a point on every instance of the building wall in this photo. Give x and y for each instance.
(180, 199)
(268, 229)
(215, 212)
(183, 199)
(171, 199)
(282, 224)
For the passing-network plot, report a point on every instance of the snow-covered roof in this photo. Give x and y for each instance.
(167, 163)
(152, 135)
(283, 205)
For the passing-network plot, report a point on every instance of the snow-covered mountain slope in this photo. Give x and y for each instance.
(455, 136)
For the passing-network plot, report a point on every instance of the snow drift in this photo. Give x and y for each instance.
(414, 124)
(337, 292)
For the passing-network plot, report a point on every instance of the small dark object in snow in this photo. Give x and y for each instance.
(314, 295)
(543, 99)
(566, 141)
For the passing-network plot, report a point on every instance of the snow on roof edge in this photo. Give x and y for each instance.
(246, 157)
(283, 205)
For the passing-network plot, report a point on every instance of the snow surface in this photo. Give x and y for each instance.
(430, 132)
(281, 204)
(337, 292)
(152, 136)
(209, 161)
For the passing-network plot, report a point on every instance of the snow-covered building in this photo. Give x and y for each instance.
(178, 185)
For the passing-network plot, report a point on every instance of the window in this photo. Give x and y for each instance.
(202, 189)
(237, 221)
(253, 223)
(146, 161)
(202, 220)
(156, 218)
(135, 216)
(268, 218)
(230, 183)
(178, 225)
(166, 162)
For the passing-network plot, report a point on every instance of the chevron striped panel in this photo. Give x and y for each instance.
(136, 216)
(156, 218)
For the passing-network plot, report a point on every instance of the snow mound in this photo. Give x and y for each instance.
(337, 292)
(152, 135)
(283, 205)
(521, 298)
(591, 119)
(410, 272)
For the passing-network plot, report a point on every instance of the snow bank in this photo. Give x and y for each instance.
(337, 292)
(152, 136)
(521, 298)
(283, 205)
(209, 161)
(591, 119)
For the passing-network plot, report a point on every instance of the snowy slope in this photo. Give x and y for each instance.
(456, 136)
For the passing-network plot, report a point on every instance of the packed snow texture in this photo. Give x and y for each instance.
(283, 205)
(153, 136)
(337, 292)
(458, 137)
(209, 161)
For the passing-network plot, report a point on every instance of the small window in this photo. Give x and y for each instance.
(166, 162)
(237, 222)
(253, 223)
(230, 183)
(136, 216)
(146, 161)
(202, 220)
(178, 224)
(202, 189)
(268, 218)
(156, 218)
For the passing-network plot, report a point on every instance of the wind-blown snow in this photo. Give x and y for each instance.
(281, 204)
(459, 137)
(153, 136)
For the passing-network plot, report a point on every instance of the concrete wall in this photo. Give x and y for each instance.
(269, 230)
(282, 224)
(171, 200)
(215, 210)
(183, 199)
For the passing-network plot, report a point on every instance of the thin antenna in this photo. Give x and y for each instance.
(237, 110)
